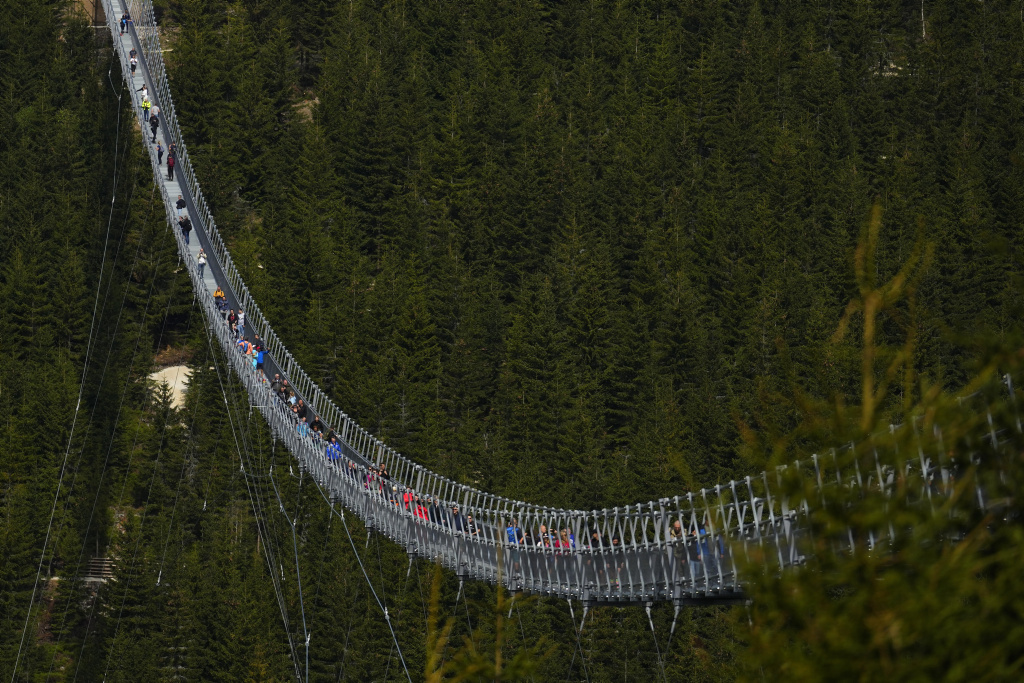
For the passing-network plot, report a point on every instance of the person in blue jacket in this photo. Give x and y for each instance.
(333, 449)
(515, 534)
(711, 553)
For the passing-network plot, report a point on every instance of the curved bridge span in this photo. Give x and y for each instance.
(684, 549)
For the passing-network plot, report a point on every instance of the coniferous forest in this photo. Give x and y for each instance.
(582, 254)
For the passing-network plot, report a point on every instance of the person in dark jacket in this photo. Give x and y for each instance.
(712, 550)
(435, 512)
(170, 165)
(186, 227)
(693, 556)
(458, 523)
(154, 123)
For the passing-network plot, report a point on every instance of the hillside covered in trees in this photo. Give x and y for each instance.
(577, 253)
(561, 249)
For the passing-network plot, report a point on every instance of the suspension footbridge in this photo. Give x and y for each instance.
(685, 549)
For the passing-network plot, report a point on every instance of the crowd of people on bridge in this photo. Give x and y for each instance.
(546, 538)
(252, 349)
(695, 550)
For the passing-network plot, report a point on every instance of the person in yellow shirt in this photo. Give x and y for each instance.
(220, 299)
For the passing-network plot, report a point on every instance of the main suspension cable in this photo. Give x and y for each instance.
(92, 413)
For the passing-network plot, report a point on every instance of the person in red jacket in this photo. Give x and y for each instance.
(422, 511)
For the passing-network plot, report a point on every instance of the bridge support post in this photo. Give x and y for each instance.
(587, 596)
(654, 634)
(461, 565)
(672, 631)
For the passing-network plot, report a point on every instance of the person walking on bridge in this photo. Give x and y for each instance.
(124, 24)
(179, 205)
(170, 165)
(133, 63)
(186, 227)
(146, 104)
(154, 123)
(218, 296)
(201, 260)
(160, 157)
(241, 322)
